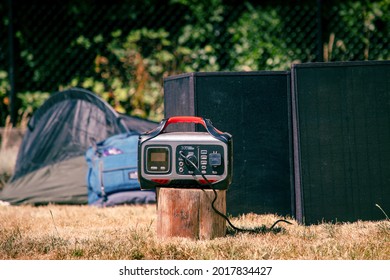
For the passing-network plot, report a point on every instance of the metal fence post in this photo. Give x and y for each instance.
(320, 48)
(11, 74)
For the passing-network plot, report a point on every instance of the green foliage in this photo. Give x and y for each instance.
(360, 26)
(257, 41)
(4, 87)
(126, 64)
(130, 75)
(199, 35)
(30, 101)
(4, 99)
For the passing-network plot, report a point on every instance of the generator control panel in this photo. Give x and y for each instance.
(185, 159)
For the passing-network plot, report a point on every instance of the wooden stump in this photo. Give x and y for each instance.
(188, 213)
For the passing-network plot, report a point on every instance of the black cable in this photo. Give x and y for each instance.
(256, 230)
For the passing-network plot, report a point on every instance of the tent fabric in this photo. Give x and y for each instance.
(50, 166)
(63, 128)
(50, 184)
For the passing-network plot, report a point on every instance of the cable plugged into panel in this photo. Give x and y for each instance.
(234, 229)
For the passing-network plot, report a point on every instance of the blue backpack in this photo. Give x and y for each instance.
(112, 167)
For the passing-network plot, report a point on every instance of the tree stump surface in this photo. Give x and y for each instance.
(188, 213)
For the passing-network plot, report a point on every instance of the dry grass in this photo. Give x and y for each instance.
(7, 164)
(129, 232)
(8, 154)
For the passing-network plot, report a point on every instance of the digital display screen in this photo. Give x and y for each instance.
(159, 157)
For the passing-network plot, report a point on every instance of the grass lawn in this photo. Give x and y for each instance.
(57, 232)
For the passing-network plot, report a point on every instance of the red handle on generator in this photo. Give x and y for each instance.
(188, 119)
(185, 119)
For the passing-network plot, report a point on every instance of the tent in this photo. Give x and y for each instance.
(51, 165)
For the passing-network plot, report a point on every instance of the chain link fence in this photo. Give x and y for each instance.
(122, 50)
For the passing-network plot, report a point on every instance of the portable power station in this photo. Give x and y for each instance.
(185, 159)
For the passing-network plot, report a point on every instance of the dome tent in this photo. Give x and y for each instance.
(51, 165)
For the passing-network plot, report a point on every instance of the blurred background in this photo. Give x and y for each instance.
(122, 50)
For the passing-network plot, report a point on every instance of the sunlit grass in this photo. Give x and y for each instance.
(8, 154)
(7, 164)
(129, 232)
(7, 160)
